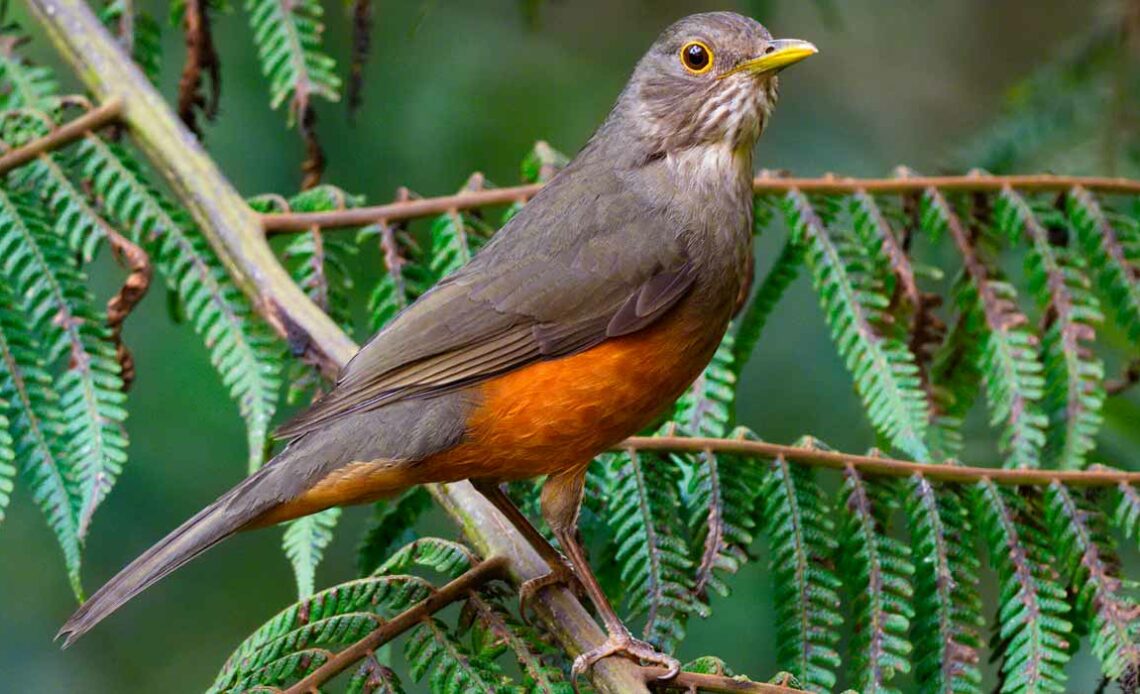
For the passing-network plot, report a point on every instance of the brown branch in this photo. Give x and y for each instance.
(428, 207)
(483, 572)
(201, 55)
(361, 47)
(887, 467)
(698, 682)
(103, 115)
(129, 295)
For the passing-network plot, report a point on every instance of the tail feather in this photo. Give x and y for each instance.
(207, 528)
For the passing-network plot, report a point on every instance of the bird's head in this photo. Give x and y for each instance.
(709, 79)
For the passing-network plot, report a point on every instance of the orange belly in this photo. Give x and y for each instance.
(556, 415)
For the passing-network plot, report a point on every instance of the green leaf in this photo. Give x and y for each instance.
(304, 543)
(751, 324)
(1111, 244)
(1033, 633)
(391, 525)
(1074, 376)
(450, 559)
(884, 369)
(1079, 532)
(707, 407)
(26, 85)
(373, 678)
(406, 275)
(241, 348)
(73, 338)
(433, 651)
(801, 535)
(288, 37)
(495, 630)
(455, 237)
(7, 458)
(877, 571)
(36, 428)
(138, 32)
(948, 609)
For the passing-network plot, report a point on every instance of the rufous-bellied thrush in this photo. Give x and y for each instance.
(579, 323)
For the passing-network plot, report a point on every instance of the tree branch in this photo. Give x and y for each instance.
(427, 207)
(693, 682)
(886, 467)
(65, 134)
(483, 572)
(233, 231)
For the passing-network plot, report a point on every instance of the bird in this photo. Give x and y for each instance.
(576, 326)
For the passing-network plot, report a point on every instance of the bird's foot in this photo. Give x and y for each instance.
(561, 574)
(623, 644)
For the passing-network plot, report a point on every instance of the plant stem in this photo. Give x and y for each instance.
(65, 134)
(427, 207)
(483, 572)
(235, 235)
(887, 467)
(693, 681)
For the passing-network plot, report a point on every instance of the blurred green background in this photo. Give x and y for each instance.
(454, 87)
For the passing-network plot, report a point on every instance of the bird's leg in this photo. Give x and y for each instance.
(561, 573)
(561, 501)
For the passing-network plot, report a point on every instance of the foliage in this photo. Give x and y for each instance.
(896, 559)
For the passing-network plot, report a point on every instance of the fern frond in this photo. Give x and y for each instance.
(1074, 376)
(707, 407)
(139, 34)
(281, 650)
(955, 379)
(434, 652)
(455, 237)
(1033, 631)
(304, 543)
(1111, 245)
(406, 275)
(496, 630)
(722, 498)
(241, 348)
(651, 544)
(801, 535)
(538, 166)
(1079, 531)
(36, 431)
(1007, 352)
(948, 609)
(1126, 513)
(449, 559)
(751, 324)
(73, 333)
(73, 216)
(25, 85)
(877, 570)
(391, 525)
(288, 39)
(374, 678)
(883, 367)
(884, 250)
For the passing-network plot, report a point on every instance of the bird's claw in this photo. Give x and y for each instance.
(561, 574)
(625, 645)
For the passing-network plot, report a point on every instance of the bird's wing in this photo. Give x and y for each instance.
(537, 291)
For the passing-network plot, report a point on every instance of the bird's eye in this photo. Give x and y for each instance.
(696, 57)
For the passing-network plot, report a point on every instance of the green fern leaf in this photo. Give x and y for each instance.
(434, 652)
(707, 407)
(299, 639)
(651, 543)
(1074, 390)
(35, 428)
(1006, 354)
(450, 559)
(391, 525)
(25, 85)
(1079, 531)
(1033, 631)
(288, 39)
(406, 276)
(496, 630)
(304, 543)
(1126, 515)
(539, 166)
(751, 324)
(72, 214)
(373, 678)
(73, 335)
(955, 381)
(801, 535)
(948, 609)
(877, 570)
(7, 458)
(883, 367)
(138, 32)
(1111, 244)
(241, 348)
(455, 238)
(721, 495)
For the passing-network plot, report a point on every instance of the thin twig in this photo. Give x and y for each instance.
(427, 207)
(694, 682)
(483, 572)
(888, 467)
(69, 132)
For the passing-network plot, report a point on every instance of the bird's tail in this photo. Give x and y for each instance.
(208, 527)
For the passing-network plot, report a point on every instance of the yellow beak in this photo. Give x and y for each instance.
(779, 55)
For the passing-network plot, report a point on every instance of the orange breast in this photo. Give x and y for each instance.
(558, 414)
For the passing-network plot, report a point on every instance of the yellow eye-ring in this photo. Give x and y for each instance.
(697, 57)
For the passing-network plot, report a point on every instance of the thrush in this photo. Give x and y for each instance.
(585, 317)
